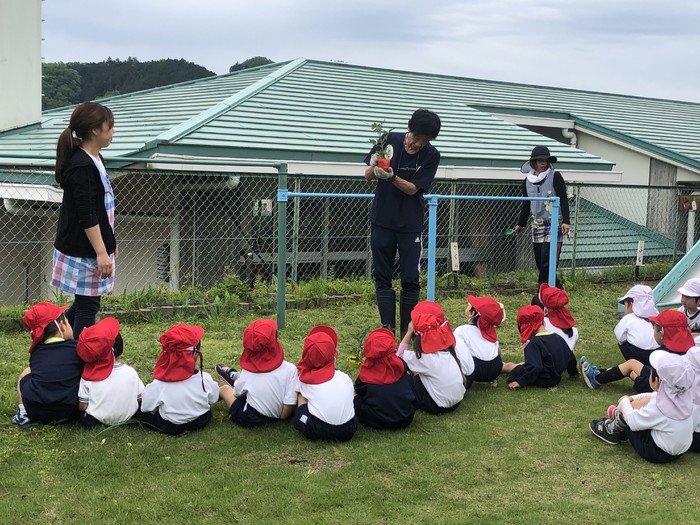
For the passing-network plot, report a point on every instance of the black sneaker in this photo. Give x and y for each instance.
(600, 430)
(227, 373)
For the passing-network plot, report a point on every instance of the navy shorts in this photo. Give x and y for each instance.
(486, 371)
(89, 422)
(427, 403)
(246, 416)
(154, 421)
(314, 429)
(629, 351)
(641, 384)
(644, 444)
(695, 447)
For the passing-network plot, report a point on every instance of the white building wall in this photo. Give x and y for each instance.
(20, 63)
(635, 171)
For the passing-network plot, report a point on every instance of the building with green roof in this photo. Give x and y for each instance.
(316, 116)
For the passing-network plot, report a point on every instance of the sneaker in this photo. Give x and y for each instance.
(227, 373)
(599, 429)
(22, 420)
(589, 372)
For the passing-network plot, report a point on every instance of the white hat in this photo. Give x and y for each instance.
(691, 288)
(643, 301)
(693, 356)
(676, 376)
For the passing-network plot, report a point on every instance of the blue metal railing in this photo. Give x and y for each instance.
(283, 195)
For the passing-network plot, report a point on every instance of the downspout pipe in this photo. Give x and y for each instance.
(568, 134)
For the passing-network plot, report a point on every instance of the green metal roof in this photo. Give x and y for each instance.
(312, 110)
(604, 238)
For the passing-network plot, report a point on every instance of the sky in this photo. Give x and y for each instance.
(632, 47)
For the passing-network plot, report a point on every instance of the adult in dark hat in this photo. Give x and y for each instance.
(542, 181)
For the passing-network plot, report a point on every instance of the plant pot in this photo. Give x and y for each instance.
(384, 164)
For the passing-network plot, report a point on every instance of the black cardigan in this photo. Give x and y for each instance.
(559, 189)
(83, 207)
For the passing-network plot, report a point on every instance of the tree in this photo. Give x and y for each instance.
(60, 85)
(251, 62)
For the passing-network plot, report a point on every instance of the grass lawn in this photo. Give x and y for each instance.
(503, 457)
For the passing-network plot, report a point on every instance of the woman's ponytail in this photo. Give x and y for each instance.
(65, 147)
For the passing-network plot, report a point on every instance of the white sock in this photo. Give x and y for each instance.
(22, 411)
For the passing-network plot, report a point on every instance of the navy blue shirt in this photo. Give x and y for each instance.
(546, 358)
(55, 376)
(385, 406)
(392, 208)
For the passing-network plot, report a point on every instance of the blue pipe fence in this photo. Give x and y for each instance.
(432, 200)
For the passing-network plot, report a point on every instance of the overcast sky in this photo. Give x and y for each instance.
(632, 47)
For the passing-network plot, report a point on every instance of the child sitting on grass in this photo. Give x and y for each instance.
(47, 390)
(325, 402)
(693, 357)
(110, 391)
(384, 397)
(478, 338)
(634, 332)
(440, 375)
(179, 399)
(658, 425)
(671, 334)
(690, 300)
(557, 317)
(546, 354)
(265, 390)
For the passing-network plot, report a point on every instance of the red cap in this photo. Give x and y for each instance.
(262, 352)
(555, 300)
(176, 360)
(38, 317)
(529, 319)
(430, 324)
(325, 329)
(490, 316)
(677, 336)
(95, 348)
(317, 364)
(381, 365)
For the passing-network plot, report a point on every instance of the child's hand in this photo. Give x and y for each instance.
(513, 385)
(639, 403)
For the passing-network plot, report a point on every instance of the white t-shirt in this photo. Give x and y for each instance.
(670, 435)
(267, 392)
(440, 374)
(331, 401)
(636, 331)
(114, 399)
(471, 342)
(571, 341)
(181, 401)
(696, 418)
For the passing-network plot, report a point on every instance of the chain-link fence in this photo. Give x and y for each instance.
(176, 228)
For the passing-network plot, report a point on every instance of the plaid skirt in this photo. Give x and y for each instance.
(78, 275)
(542, 231)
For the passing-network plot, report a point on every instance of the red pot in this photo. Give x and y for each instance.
(384, 164)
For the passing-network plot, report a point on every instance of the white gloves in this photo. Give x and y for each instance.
(384, 175)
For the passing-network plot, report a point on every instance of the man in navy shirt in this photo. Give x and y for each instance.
(397, 213)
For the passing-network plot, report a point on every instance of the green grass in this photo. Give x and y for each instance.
(503, 457)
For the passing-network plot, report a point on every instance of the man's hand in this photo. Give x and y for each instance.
(518, 229)
(373, 160)
(384, 175)
(513, 385)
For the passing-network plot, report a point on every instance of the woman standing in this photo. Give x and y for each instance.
(85, 247)
(543, 181)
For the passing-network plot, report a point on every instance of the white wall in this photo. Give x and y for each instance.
(20, 63)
